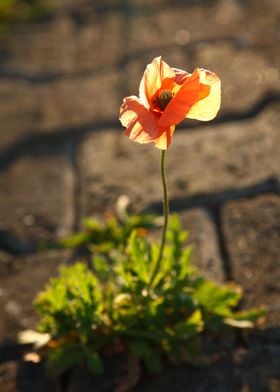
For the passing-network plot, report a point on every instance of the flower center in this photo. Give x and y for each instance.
(163, 99)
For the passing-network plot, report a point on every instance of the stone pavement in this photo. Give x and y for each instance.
(63, 155)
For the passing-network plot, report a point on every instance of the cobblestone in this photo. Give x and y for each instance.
(60, 47)
(252, 235)
(36, 195)
(204, 240)
(19, 285)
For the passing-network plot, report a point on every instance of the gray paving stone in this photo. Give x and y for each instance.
(19, 111)
(213, 162)
(36, 195)
(71, 102)
(252, 233)
(204, 240)
(55, 75)
(28, 110)
(180, 23)
(27, 275)
(60, 46)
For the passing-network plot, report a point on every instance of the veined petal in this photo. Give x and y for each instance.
(152, 80)
(182, 102)
(206, 107)
(180, 75)
(141, 123)
(163, 141)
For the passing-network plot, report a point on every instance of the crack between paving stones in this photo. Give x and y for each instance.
(217, 199)
(76, 187)
(101, 10)
(216, 215)
(13, 245)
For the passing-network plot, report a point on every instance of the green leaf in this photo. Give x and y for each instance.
(91, 224)
(63, 358)
(101, 266)
(190, 327)
(251, 315)
(143, 350)
(139, 347)
(153, 361)
(75, 240)
(71, 302)
(94, 363)
(216, 299)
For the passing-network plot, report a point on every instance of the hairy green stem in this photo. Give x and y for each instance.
(165, 213)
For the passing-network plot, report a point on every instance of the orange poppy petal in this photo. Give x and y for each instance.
(208, 105)
(140, 122)
(164, 139)
(153, 78)
(182, 102)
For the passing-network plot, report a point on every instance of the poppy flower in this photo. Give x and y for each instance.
(166, 97)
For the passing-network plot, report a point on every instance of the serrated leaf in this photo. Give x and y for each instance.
(215, 298)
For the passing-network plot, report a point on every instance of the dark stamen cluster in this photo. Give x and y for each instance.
(163, 99)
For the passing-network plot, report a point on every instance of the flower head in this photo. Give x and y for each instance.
(166, 97)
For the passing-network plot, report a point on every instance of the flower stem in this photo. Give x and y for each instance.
(165, 213)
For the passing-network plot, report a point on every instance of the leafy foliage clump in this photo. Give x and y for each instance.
(112, 305)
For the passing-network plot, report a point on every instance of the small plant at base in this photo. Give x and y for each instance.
(86, 311)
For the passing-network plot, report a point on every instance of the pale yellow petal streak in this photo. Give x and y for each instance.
(206, 109)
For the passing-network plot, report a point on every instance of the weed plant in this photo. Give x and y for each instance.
(112, 306)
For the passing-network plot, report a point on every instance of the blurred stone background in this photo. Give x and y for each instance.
(63, 74)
